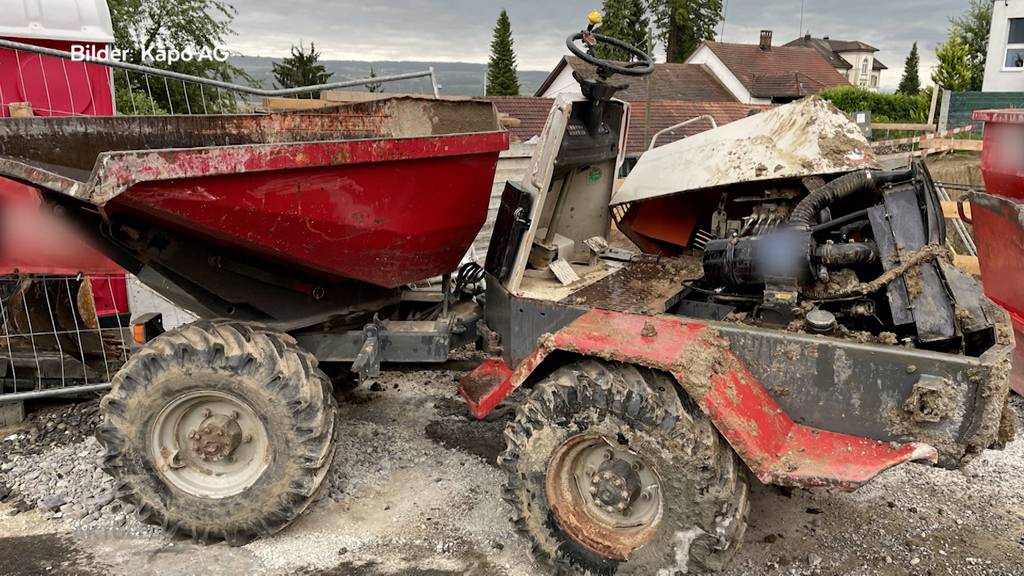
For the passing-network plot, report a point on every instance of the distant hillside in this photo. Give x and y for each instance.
(456, 78)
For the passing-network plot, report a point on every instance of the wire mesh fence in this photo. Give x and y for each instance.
(60, 334)
(48, 82)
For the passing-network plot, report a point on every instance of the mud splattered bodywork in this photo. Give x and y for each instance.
(799, 410)
(808, 305)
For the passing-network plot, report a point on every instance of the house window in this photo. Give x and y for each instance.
(874, 80)
(864, 67)
(1015, 45)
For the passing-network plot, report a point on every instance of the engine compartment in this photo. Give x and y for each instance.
(861, 255)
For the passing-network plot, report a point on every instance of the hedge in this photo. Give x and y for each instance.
(883, 107)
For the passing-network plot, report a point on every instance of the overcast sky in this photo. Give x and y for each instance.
(460, 30)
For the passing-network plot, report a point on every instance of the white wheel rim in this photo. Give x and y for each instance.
(209, 444)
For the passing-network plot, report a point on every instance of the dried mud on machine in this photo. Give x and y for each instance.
(784, 311)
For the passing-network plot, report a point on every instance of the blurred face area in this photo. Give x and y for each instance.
(35, 240)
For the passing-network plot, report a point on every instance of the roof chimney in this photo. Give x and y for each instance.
(766, 40)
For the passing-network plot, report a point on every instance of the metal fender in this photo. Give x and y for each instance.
(776, 449)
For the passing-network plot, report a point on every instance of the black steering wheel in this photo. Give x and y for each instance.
(642, 66)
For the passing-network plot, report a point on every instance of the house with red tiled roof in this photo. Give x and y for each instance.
(669, 81)
(765, 74)
(853, 59)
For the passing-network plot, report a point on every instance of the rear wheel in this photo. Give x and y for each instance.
(609, 471)
(219, 431)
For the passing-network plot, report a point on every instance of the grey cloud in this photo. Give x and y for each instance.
(460, 30)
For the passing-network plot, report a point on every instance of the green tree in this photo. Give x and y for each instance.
(954, 70)
(624, 20)
(301, 68)
(974, 27)
(501, 69)
(910, 84)
(684, 24)
(185, 25)
(374, 86)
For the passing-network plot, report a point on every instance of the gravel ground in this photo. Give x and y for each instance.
(414, 490)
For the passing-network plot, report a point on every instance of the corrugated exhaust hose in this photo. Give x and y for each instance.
(805, 215)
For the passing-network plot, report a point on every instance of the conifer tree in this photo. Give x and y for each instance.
(501, 69)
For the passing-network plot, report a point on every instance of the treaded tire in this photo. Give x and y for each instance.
(703, 482)
(277, 379)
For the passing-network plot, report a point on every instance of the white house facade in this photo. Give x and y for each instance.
(1004, 68)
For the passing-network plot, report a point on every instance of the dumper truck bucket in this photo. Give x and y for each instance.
(387, 192)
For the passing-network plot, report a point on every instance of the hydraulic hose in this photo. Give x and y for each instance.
(805, 215)
(840, 255)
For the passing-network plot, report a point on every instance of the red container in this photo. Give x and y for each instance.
(998, 219)
(1002, 157)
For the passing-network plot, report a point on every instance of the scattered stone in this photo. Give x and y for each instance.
(52, 503)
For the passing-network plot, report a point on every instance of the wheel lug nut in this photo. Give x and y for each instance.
(646, 495)
(192, 435)
(206, 413)
(247, 439)
(593, 490)
(590, 471)
(608, 455)
(637, 466)
(234, 414)
(625, 497)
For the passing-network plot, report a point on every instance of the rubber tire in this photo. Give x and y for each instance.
(284, 387)
(704, 484)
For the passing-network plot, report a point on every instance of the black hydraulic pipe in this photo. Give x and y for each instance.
(846, 254)
(805, 215)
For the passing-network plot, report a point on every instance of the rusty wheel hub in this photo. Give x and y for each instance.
(210, 444)
(604, 495)
(217, 437)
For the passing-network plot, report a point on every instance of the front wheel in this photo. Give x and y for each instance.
(219, 431)
(610, 471)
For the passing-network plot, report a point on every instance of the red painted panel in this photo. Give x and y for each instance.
(386, 212)
(999, 235)
(776, 449)
(54, 86)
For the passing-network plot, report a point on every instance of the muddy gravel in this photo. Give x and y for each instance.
(414, 491)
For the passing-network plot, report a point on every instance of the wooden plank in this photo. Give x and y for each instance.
(20, 109)
(341, 96)
(903, 126)
(282, 104)
(949, 210)
(967, 263)
(952, 144)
